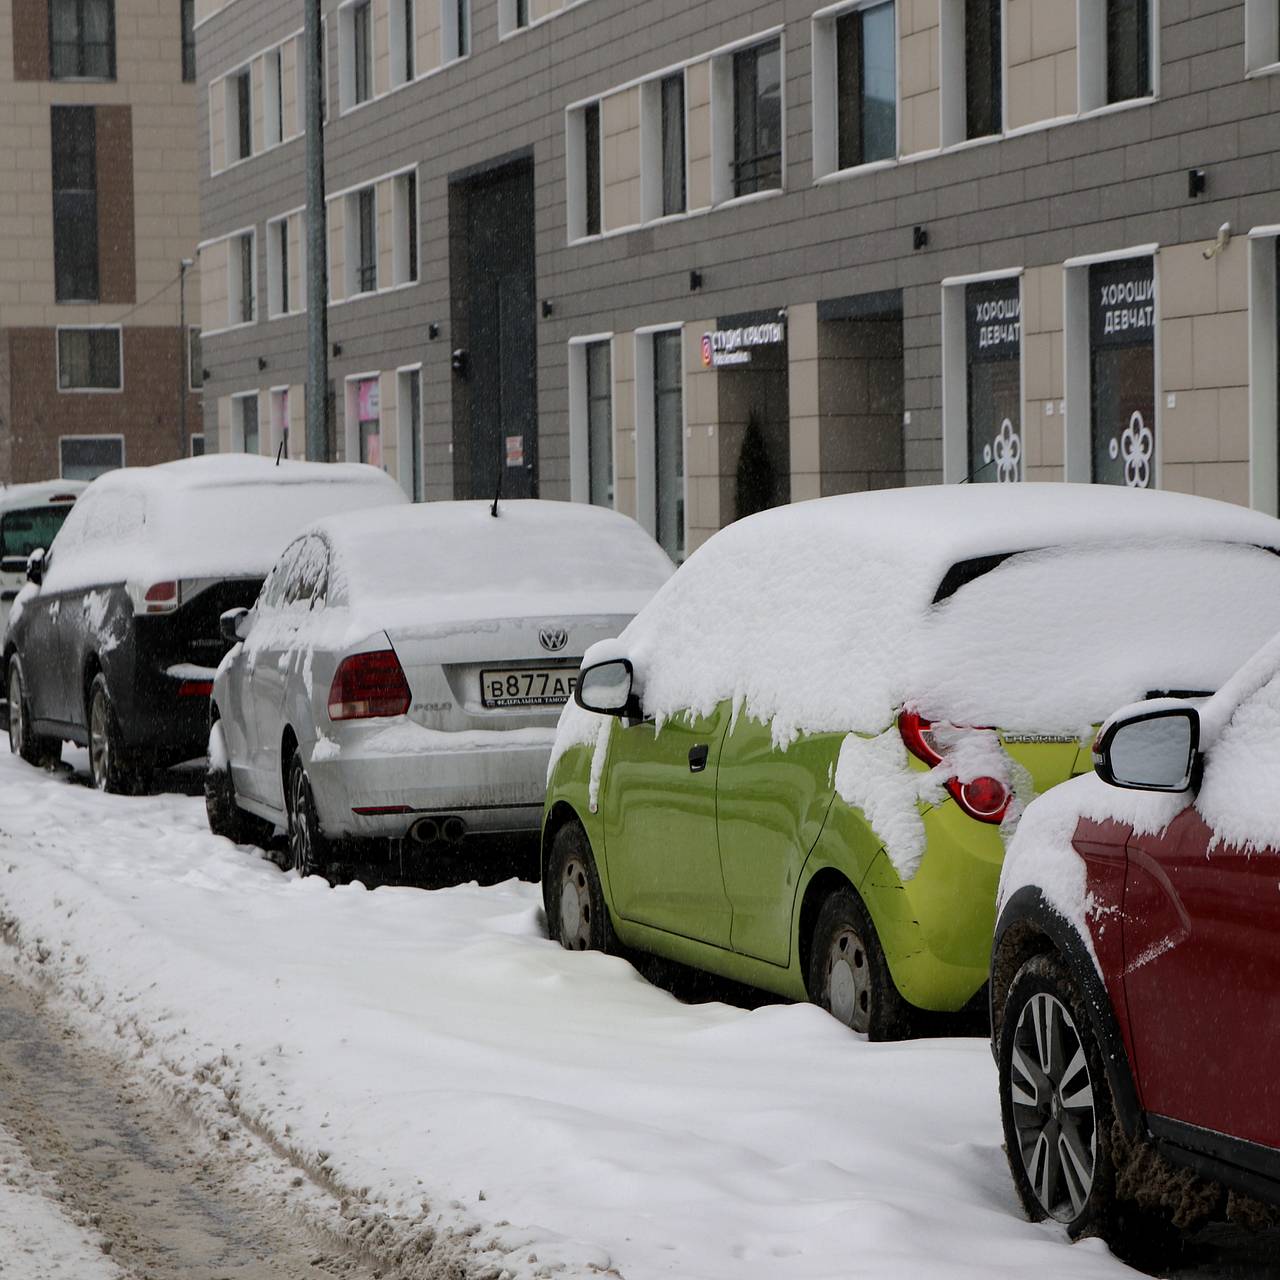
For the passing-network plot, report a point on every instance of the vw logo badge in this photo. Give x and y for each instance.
(553, 639)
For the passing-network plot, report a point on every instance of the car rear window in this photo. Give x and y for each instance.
(22, 532)
(1056, 639)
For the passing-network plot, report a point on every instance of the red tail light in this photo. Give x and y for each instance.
(195, 689)
(161, 598)
(368, 685)
(984, 799)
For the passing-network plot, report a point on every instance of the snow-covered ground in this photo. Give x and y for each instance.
(456, 1077)
(37, 1240)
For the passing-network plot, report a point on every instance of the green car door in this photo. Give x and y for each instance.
(771, 804)
(658, 812)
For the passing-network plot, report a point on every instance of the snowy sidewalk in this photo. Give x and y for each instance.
(437, 1060)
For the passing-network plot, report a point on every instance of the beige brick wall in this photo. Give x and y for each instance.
(620, 153)
(207, 8)
(697, 87)
(802, 388)
(919, 71)
(297, 277)
(290, 62)
(1204, 370)
(388, 415)
(427, 36)
(624, 423)
(218, 125)
(337, 248)
(297, 422)
(381, 34)
(224, 424)
(1042, 372)
(702, 440)
(539, 9)
(213, 285)
(1040, 40)
(384, 204)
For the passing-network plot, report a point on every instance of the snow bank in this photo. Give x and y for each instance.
(211, 517)
(449, 1070)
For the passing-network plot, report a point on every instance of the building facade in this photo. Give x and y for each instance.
(695, 259)
(99, 194)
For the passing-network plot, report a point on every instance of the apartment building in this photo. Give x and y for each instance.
(694, 259)
(99, 193)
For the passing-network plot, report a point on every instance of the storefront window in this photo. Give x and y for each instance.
(993, 338)
(600, 424)
(369, 420)
(866, 79)
(668, 424)
(1122, 372)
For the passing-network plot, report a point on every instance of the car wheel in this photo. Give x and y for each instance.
(226, 818)
(23, 742)
(577, 917)
(308, 848)
(848, 974)
(110, 764)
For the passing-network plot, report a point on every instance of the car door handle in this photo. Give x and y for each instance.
(698, 758)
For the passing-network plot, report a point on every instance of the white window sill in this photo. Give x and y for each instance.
(857, 171)
(1270, 69)
(1111, 108)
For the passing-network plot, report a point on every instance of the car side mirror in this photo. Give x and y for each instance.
(1157, 750)
(234, 625)
(608, 689)
(36, 564)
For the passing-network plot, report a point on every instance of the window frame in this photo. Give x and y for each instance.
(579, 415)
(280, 302)
(238, 400)
(1092, 61)
(77, 205)
(410, 465)
(79, 44)
(745, 62)
(360, 21)
(187, 29)
(455, 31)
(76, 437)
(826, 93)
(646, 428)
(1261, 37)
(362, 235)
(61, 329)
(665, 135)
(406, 249)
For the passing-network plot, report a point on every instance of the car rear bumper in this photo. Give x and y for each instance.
(381, 781)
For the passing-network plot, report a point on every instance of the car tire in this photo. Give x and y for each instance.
(577, 917)
(309, 852)
(848, 974)
(111, 766)
(32, 747)
(1059, 1119)
(226, 818)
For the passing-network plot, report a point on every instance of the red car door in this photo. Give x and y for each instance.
(1202, 978)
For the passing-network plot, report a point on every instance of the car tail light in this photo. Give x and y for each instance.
(984, 798)
(368, 685)
(162, 597)
(195, 689)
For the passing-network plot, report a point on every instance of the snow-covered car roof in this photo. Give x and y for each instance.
(440, 561)
(830, 615)
(213, 517)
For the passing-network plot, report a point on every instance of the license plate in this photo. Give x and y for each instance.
(528, 687)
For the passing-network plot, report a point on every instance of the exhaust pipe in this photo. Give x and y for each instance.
(425, 831)
(453, 829)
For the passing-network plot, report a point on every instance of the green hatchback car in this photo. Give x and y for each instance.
(784, 770)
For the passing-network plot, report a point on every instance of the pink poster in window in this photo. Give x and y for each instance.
(368, 400)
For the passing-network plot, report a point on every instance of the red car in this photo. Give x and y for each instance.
(1135, 980)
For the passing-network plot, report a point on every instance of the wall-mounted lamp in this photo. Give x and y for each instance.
(433, 331)
(695, 281)
(262, 363)
(205, 375)
(337, 350)
(919, 237)
(1197, 183)
(547, 308)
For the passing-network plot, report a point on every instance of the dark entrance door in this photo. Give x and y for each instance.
(499, 415)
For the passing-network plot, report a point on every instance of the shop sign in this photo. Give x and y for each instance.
(994, 314)
(1123, 304)
(725, 348)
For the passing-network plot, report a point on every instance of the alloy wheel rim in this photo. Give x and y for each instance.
(99, 743)
(575, 907)
(1051, 1091)
(17, 725)
(300, 827)
(849, 981)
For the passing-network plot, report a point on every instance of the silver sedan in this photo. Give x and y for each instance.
(402, 671)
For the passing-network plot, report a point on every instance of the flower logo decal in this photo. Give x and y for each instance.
(1006, 453)
(1137, 447)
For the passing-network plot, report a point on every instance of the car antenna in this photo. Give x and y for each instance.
(493, 510)
(279, 453)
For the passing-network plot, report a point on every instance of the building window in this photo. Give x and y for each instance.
(866, 86)
(239, 116)
(273, 108)
(522, 13)
(366, 241)
(188, 41)
(280, 422)
(599, 370)
(368, 414)
(361, 54)
(89, 360)
(404, 253)
(88, 457)
(240, 280)
(82, 39)
(1261, 34)
(1128, 49)
(244, 411)
(757, 118)
(279, 302)
(409, 409)
(983, 59)
(457, 27)
(668, 424)
(993, 357)
(591, 168)
(402, 38)
(197, 445)
(195, 361)
(75, 204)
(1122, 372)
(674, 197)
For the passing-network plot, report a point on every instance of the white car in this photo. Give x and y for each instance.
(30, 517)
(402, 671)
